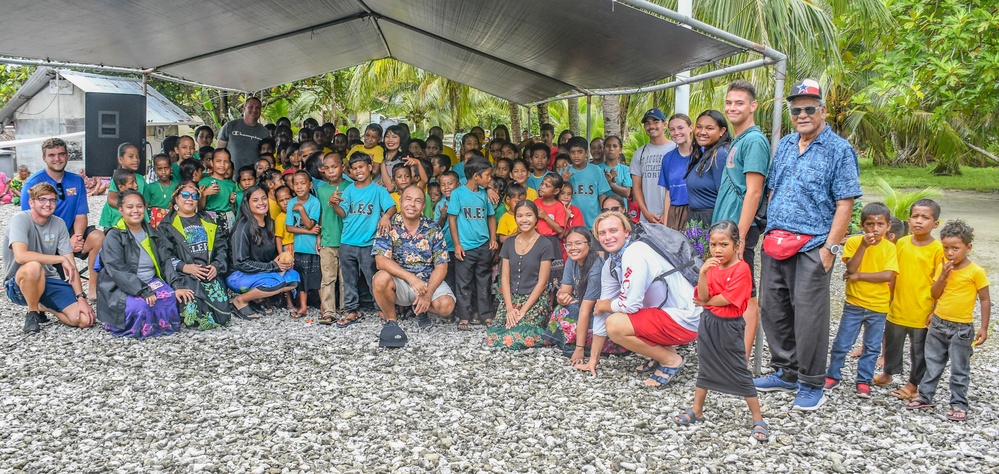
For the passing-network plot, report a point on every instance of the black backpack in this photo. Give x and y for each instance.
(671, 245)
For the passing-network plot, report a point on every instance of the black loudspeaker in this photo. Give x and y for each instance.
(113, 119)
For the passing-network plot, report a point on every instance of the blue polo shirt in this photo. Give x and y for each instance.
(72, 198)
(807, 185)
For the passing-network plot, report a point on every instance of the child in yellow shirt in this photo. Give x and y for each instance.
(284, 240)
(959, 282)
(507, 225)
(918, 254)
(871, 265)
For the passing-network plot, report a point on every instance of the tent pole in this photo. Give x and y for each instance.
(589, 103)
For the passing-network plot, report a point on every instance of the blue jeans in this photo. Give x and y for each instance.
(948, 340)
(355, 263)
(855, 317)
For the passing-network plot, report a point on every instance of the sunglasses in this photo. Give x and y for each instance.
(61, 190)
(810, 110)
(190, 195)
(613, 209)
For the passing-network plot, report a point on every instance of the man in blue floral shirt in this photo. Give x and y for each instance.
(412, 261)
(813, 182)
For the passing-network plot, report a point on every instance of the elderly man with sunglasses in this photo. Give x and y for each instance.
(35, 244)
(71, 207)
(813, 182)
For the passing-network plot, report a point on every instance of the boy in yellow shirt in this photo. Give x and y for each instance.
(871, 266)
(959, 282)
(372, 136)
(918, 255)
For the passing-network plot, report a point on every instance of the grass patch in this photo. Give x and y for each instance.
(973, 179)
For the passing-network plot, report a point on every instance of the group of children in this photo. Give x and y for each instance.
(901, 285)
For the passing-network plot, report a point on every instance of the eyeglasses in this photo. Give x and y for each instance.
(613, 209)
(46, 200)
(190, 195)
(573, 245)
(810, 110)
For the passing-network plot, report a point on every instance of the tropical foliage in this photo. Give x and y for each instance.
(900, 202)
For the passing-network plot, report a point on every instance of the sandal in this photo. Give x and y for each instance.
(667, 373)
(487, 322)
(647, 367)
(246, 312)
(327, 319)
(348, 319)
(903, 393)
(298, 314)
(687, 418)
(957, 413)
(464, 325)
(761, 431)
(918, 404)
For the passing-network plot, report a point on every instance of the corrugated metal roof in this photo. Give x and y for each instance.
(159, 109)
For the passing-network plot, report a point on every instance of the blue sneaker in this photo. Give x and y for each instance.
(809, 398)
(773, 383)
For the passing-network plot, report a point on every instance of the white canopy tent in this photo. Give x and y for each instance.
(525, 51)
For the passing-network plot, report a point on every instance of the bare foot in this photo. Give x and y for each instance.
(881, 380)
(856, 352)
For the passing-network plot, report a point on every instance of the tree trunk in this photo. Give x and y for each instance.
(514, 121)
(573, 106)
(624, 105)
(612, 116)
(543, 116)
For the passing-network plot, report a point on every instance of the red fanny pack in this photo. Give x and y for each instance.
(781, 244)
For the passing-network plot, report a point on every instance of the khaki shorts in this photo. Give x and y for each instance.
(405, 296)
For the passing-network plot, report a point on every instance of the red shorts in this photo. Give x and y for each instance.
(655, 327)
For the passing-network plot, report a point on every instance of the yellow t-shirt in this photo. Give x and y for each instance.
(281, 230)
(450, 154)
(507, 225)
(377, 153)
(913, 301)
(877, 258)
(532, 195)
(274, 209)
(957, 303)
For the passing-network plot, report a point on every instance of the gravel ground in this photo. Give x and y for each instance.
(283, 395)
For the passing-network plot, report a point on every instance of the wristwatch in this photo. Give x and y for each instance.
(81, 295)
(835, 249)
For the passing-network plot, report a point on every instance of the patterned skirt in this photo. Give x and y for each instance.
(526, 334)
(210, 308)
(142, 320)
(561, 332)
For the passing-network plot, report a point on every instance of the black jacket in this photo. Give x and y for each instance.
(175, 247)
(118, 278)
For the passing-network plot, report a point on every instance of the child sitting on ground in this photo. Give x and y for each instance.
(959, 282)
(724, 286)
(871, 265)
(918, 256)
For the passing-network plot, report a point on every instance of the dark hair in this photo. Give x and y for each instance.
(247, 169)
(169, 143)
(258, 235)
(520, 161)
(431, 131)
(354, 129)
(120, 176)
(125, 146)
(564, 133)
(511, 146)
(556, 179)
(283, 187)
(927, 202)
(435, 138)
(514, 190)
(310, 123)
(470, 135)
(539, 147)
(703, 160)
(270, 128)
(373, 127)
(549, 127)
(579, 286)
(308, 176)
(499, 185)
(528, 204)
(875, 209)
(578, 142)
(260, 146)
(205, 151)
(359, 156)
(185, 137)
(183, 184)
(313, 163)
(427, 168)
(744, 86)
(958, 228)
(126, 193)
(286, 120)
(398, 168)
(450, 174)
(402, 132)
(204, 127)
(161, 156)
(188, 167)
(354, 142)
(476, 165)
(898, 227)
(441, 160)
(267, 176)
(729, 228)
(433, 185)
(620, 200)
(562, 156)
(509, 163)
(222, 150)
(504, 128)
(420, 143)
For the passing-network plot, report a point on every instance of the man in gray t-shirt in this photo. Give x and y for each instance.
(646, 165)
(242, 136)
(36, 241)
